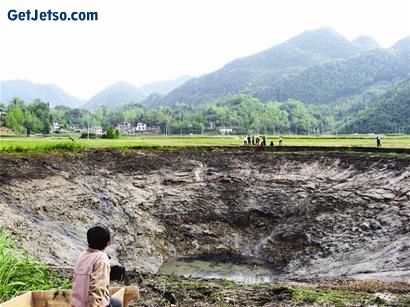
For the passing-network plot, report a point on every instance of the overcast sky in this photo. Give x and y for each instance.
(142, 41)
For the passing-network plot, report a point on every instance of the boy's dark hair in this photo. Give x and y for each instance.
(98, 237)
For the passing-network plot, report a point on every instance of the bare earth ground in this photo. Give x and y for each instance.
(311, 214)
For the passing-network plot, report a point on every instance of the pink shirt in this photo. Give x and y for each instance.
(91, 280)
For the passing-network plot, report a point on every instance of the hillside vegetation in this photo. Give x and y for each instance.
(318, 66)
(326, 83)
(389, 112)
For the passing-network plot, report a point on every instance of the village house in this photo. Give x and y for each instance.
(141, 127)
(225, 130)
(128, 129)
(124, 127)
(75, 128)
(55, 127)
(96, 130)
(154, 129)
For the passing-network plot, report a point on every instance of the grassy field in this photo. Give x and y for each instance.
(24, 144)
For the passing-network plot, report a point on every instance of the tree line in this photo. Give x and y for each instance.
(243, 113)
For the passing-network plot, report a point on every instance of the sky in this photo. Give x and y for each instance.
(143, 41)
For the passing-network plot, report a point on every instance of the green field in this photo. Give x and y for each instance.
(38, 143)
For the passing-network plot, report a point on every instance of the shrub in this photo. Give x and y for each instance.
(86, 135)
(111, 133)
(62, 146)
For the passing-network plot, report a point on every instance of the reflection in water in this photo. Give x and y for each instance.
(241, 269)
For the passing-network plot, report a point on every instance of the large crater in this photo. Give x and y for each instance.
(308, 214)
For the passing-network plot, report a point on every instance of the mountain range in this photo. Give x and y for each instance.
(315, 67)
(319, 66)
(113, 96)
(29, 91)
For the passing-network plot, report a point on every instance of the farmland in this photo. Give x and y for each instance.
(38, 143)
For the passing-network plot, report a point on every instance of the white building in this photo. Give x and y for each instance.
(124, 127)
(225, 130)
(141, 127)
(96, 130)
(75, 128)
(56, 127)
(127, 128)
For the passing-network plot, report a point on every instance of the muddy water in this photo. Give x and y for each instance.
(241, 269)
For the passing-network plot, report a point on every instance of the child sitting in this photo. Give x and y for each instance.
(92, 273)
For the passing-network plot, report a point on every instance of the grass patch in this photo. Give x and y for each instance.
(62, 146)
(41, 147)
(20, 272)
(329, 296)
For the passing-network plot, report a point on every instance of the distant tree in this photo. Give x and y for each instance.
(15, 118)
(2, 116)
(41, 110)
(29, 122)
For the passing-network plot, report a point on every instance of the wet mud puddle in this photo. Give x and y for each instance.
(241, 269)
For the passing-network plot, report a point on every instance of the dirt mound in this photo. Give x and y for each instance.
(308, 213)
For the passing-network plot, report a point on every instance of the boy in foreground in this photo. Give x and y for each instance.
(92, 273)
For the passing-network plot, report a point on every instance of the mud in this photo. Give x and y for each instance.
(309, 214)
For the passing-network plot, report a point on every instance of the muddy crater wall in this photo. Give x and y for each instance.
(310, 214)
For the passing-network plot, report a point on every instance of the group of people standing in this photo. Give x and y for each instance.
(251, 140)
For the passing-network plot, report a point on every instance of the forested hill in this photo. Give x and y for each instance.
(122, 92)
(326, 42)
(30, 91)
(261, 72)
(390, 112)
(403, 45)
(326, 83)
(366, 43)
(115, 95)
